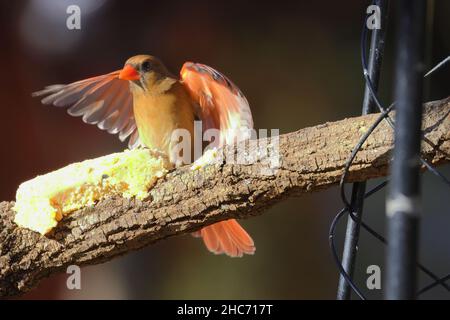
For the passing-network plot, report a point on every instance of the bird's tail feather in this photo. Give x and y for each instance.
(227, 237)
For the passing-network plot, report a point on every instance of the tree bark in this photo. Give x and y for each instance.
(311, 159)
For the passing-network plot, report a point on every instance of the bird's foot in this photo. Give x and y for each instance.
(209, 157)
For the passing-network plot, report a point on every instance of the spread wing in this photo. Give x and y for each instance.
(221, 104)
(103, 100)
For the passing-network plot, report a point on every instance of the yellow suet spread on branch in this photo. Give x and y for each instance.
(45, 200)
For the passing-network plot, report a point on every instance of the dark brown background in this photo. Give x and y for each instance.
(298, 63)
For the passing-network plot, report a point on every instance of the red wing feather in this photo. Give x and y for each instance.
(103, 100)
(222, 104)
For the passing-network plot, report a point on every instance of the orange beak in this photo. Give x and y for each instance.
(129, 73)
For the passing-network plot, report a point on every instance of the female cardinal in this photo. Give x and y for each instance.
(146, 103)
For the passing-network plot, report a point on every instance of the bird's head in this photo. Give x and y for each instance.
(144, 71)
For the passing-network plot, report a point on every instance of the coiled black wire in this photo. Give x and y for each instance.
(384, 115)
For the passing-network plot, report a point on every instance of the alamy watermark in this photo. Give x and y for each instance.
(73, 281)
(374, 279)
(374, 19)
(243, 146)
(73, 21)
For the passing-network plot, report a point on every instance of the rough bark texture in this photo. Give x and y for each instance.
(311, 159)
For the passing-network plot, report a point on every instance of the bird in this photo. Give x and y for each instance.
(144, 103)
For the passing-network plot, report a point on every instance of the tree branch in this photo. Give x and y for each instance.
(311, 159)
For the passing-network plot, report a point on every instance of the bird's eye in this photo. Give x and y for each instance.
(146, 66)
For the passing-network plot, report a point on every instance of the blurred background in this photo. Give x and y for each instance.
(297, 62)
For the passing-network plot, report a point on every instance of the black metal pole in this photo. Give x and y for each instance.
(402, 206)
(377, 41)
